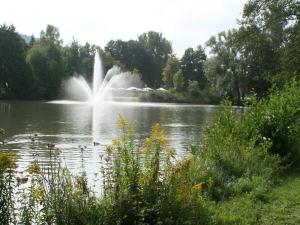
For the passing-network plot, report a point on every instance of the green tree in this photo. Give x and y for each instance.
(72, 58)
(51, 35)
(15, 77)
(178, 81)
(290, 59)
(47, 64)
(48, 68)
(226, 68)
(192, 65)
(86, 61)
(172, 66)
(132, 55)
(159, 49)
(276, 21)
(272, 17)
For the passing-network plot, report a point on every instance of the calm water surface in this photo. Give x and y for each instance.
(69, 125)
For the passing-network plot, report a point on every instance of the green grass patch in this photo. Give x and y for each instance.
(281, 205)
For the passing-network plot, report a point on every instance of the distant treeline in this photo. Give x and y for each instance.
(264, 50)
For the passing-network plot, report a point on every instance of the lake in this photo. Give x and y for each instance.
(30, 126)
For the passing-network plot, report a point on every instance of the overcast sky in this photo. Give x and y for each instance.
(186, 23)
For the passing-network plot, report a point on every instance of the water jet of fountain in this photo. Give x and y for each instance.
(98, 73)
(103, 87)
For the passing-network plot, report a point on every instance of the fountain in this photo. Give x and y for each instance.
(104, 91)
(103, 87)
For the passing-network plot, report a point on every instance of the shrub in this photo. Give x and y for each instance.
(277, 119)
(229, 160)
(241, 153)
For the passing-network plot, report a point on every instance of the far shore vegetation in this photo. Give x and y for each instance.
(261, 52)
(246, 169)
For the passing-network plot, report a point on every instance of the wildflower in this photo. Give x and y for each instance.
(144, 151)
(200, 187)
(158, 134)
(38, 194)
(109, 149)
(122, 123)
(34, 168)
(170, 152)
(116, 142)
(142, 178)
(7, 161)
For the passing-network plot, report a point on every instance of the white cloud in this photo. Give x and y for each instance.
(187, 23)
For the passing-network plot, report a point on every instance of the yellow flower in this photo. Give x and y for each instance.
(7, 161)
(170, 152)
(199, 188)
(38, 194)
(34, 168)
(109, 149)
(158, 135)
(142, 178)
(122, 123)
(116, 142)
(144, 151)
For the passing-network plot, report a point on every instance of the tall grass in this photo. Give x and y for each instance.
(7, 185)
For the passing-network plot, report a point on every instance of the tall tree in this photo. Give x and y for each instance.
(132, 55)
(15, 77)
(172, 66)
(290, 59)
(159, 49)
(226, 69)
(268, 30)
(192, 66)
(47, 64)
(72, 58)
(51, 35)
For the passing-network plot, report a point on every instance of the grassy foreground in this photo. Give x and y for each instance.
(282, 205)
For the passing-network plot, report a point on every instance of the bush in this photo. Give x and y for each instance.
(277, 119)
(229, 160)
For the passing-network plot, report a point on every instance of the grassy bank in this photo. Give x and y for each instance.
(281, 205)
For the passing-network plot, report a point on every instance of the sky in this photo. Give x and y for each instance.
(186, 23)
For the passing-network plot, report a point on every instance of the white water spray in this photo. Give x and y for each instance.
(102, 86)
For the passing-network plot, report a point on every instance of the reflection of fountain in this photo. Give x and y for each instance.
(103, 87)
